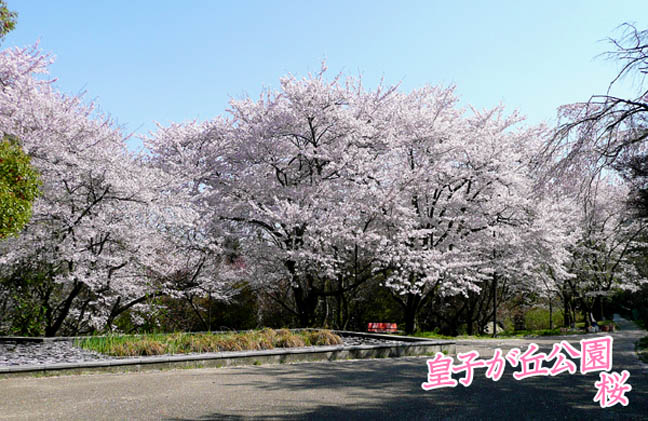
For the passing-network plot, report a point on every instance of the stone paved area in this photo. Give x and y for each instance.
(38, 353)
(349, 341)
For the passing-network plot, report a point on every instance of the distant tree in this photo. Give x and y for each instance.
(609, 131)
(18, 187)
(607, 134)
(604, 259)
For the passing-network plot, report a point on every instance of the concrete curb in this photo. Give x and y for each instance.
(34, 339)
(415, 347)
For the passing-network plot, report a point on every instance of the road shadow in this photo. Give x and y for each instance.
(393, 392)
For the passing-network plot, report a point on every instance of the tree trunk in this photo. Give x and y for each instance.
(598, 308)
(412, 304)
(306, 304)
(63, 311)
(494, 305)
(566, 311)
(550, 314)
(470, 315)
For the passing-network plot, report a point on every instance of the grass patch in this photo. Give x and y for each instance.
(642, 349)
(503, 335)
(540, 332)
(538, 319)
(432, 335)
(182, 343)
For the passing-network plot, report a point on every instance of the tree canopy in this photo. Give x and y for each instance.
(329, 186)
(317, 197)
(18, 187)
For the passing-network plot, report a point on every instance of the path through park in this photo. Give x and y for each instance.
(367, 389)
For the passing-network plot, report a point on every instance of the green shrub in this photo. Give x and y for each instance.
(641, 347)
(538, 318)
(19, 184)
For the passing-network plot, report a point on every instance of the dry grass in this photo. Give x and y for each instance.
(181, 343)
(323, 337)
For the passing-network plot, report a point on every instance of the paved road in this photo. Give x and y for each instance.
(368, 389)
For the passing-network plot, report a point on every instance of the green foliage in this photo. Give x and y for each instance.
(642, 349)
(504, 335)
(539, 332)
(538, 319)
(378, 306)
(633, 305)
(7, 19)
(19, 184)
(432, 335)
(168, 314)
(23, 309)
(27, 315)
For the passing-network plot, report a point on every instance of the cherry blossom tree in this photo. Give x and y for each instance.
(605, 257)
(295, 176)
(329, 185)
(475, 215)
(109, 231)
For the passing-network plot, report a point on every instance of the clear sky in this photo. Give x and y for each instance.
(158, 60)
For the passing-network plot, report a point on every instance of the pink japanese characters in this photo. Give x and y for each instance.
(595, 354)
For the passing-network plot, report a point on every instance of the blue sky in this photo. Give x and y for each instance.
(146, 61)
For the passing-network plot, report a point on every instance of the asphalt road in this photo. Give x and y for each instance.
(367, 389)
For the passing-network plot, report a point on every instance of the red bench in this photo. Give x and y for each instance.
(382, 327)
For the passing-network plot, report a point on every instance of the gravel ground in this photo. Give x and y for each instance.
(352, 340)
(41, 353)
